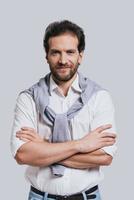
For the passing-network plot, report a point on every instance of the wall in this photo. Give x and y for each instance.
(108, 60)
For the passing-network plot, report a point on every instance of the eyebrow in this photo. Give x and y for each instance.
(57, 50)
(54, 50)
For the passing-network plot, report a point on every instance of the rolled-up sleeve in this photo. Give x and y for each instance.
(24, 115)
(104, 113)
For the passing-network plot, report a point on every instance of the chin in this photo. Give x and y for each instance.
(65, 78)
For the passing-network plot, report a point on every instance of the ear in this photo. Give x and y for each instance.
(47, 58)
(80, 57)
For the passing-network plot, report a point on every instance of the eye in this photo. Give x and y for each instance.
(54, 53)
(70, 52)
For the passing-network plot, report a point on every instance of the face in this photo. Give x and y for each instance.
(63, 57)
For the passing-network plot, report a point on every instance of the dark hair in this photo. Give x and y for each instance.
(61, 27)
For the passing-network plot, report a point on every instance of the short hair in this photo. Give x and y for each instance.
(60, 27)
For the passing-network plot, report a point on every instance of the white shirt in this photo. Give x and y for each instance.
(98, 111)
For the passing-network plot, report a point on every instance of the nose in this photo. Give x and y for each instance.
(63, 59)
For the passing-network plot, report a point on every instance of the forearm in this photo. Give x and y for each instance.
(44, 153)
(38, 152)
(87, 160)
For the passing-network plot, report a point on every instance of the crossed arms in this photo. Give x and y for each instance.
(81, 154)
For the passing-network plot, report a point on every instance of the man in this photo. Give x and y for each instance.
(64, 125)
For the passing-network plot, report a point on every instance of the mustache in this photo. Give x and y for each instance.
(60, 66)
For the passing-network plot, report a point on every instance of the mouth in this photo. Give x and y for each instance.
(63, 67)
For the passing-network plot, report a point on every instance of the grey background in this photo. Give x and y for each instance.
(108, 60)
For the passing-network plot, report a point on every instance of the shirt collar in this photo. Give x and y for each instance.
(53, 85)
(75, 85)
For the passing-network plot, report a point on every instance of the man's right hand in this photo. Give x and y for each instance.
(96, 139)
(38, 153)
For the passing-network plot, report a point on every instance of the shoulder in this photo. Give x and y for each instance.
(25, 100)
(102, 99)
(104, 96)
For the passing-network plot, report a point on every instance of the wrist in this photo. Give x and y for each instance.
(78, 146)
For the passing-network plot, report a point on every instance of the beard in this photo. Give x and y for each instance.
(64, 73)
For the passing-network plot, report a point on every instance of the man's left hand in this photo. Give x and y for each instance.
(28, 134)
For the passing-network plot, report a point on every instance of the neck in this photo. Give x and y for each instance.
(65, 85)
